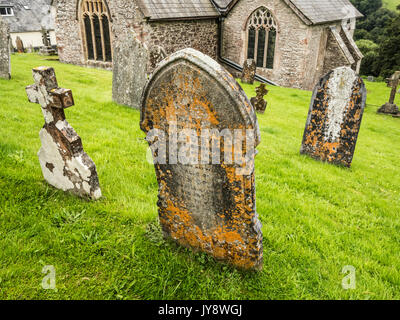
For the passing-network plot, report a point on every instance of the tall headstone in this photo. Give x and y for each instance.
(133, 62)
(203, 131)
(334, 118)
(5, 65)
(249, 71)
(390, 107)
(64, 163)
(258, 101)
(20, 45)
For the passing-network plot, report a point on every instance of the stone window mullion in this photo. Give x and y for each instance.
(103, 46)
(93, 38)
(266, 47)
(256, 46)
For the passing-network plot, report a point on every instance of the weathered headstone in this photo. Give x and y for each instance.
(258, 101)
(205, 203)
(334, 118)
(371, 78)
(249, 71)
(156, 55)
(20, 45)
(64, 163)
(5, 66)
(390, 107)
(129, 72)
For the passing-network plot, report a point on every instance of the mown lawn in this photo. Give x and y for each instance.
(317, 218)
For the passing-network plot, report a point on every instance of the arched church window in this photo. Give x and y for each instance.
(95, 22)
(261, 38)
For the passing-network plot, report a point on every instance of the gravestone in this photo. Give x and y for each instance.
(46, 49)
(129, 72)
(258, 101)
(334, 118)
(64, 163)
(5, 66)
(156, 55)
(371, 78)
(206, 198)
(249, 71)
(390, 107)
(20, 45)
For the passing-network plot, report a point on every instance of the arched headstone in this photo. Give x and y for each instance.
(206, 183)
(334, 118)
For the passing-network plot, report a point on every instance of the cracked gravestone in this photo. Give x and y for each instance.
(64, 163)
(5, 65)
(334, 118)
(203, 131)
(249, 71)
(390, 107)
(258, 101)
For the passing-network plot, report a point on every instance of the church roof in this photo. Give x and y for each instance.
(28, 15)
(323, 11)
(178, 9)
(310, 11)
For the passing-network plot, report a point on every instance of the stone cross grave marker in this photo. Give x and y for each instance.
(390, 107)
(46, 49)
(249, 71)
(258, 101)
(64, 163)
(203, 131)
(334, 118)
(5, 65)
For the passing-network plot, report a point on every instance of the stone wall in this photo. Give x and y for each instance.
(201, 35)
(334, 56)
(5, 69)
(128, 21)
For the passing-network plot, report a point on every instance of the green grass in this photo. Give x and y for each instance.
(317, 218)
(391, 4)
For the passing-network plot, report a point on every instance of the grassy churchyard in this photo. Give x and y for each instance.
(317, 218)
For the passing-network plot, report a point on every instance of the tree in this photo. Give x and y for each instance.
(389, 52)
(366, 7)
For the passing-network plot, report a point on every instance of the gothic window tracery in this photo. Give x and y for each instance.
(261, 38)
(95, 24)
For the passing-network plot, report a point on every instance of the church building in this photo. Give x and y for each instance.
(294, 42)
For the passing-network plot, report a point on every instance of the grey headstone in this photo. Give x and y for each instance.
(129, 72)
(5, 62)
(204, 204)
(334, 118)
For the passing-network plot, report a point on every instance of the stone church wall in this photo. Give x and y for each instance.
(127, 19)
(300, 49)
(201, 35)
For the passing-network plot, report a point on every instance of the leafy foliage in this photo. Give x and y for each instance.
(377, 35)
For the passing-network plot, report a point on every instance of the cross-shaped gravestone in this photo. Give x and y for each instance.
(64, 163)
(390, 107)
(258, 101)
